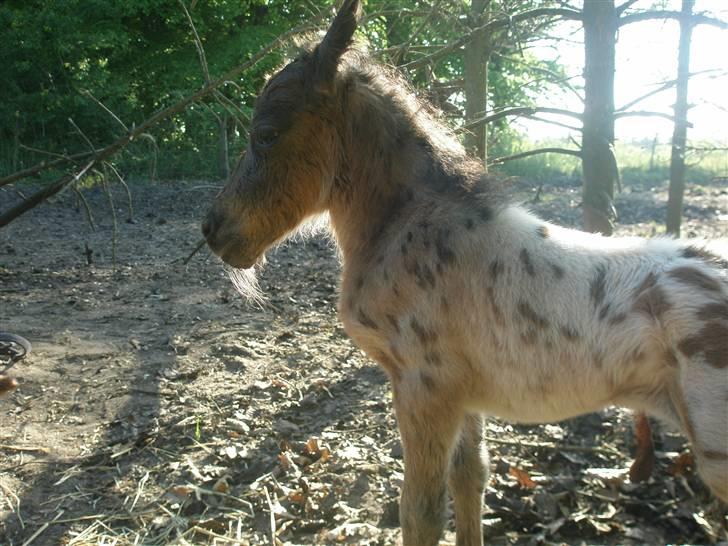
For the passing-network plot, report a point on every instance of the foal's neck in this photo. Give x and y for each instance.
(394, 159)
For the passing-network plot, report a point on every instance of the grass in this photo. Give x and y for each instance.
(639, 164)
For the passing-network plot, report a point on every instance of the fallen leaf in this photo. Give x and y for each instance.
(522, 477)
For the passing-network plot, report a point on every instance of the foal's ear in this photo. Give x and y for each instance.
(338, 38)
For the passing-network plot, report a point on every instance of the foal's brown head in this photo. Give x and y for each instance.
(291, 161)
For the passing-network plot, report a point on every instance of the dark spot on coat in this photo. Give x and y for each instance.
(432, 358)
(604, 311)
(531, 315)
(409, 236)
(569, 333)
(496, 268)
(444, 253)
(711, 341)
(469, 224)
(696, 278)
(393, 322)
(527, 264)
(360, 283)
(427, 381)
(558, 271)
(422, 334)
(704, 254)
(652, 302)
(597, 288)
(542, 232)
(713, 311)
(617, 318)
(365, 320)
(495, 308)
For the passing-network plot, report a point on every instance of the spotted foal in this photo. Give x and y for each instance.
(472, 305)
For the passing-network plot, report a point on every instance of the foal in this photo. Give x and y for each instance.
(471, 305)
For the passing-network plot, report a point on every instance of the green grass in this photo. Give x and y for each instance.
(638, 165)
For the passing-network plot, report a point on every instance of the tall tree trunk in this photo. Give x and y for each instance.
(599, 165)
(475, 61)
(679, 135)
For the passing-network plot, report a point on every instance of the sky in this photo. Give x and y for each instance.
(647, 56)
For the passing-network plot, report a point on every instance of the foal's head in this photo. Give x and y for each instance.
(289, 168)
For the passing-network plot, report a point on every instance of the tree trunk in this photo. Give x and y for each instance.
(599, 165)
(679, 135)
(475, 61)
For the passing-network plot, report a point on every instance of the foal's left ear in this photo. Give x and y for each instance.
(338, 38)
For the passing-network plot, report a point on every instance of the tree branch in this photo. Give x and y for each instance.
(520, 111)
(40, 167)
(646, 114)
(493, 26)
(565, 151)
(695, 19)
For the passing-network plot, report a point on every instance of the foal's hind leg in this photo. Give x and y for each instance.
(468, 476)
(428, 425)
(703, 406)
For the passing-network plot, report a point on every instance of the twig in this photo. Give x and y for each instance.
(107, 110)
(565, 151)
(272, 517)
(10, 493)
(115, 226)
(86, 207)
(126, 188)
(42, 528)
(195, 251)
(7, 447)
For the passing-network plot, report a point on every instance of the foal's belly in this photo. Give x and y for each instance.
(540, 388)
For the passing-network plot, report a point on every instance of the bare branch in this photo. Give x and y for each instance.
(646, 114)
(492, 26)
(695, 19)
(621, 9)
(520, 111)
(565, 151)
(42, 166)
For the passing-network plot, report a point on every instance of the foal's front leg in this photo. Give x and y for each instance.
(468, 476)
(429, 424)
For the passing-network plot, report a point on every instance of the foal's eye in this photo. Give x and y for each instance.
(265, 136)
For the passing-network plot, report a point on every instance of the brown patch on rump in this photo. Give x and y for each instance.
(711, 341)
(597, 288)
(653, 303)
(527, 263)
(695, 277)
(542, 232)
(718, 310)
(532, 316)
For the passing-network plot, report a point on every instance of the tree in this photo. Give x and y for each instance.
(679, 135)
(598, 163)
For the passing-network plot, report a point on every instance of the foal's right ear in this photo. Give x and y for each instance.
(338, 38)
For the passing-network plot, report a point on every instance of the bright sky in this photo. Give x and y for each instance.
(647, 56)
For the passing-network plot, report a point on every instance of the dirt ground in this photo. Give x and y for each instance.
(159, 408)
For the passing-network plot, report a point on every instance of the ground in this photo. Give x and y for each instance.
(158, 407)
